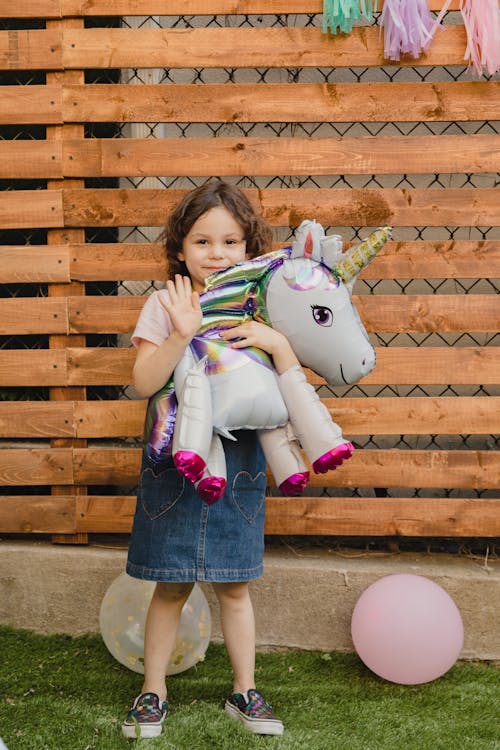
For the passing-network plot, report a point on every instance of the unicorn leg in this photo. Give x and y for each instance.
(193, 427)
(285, 460)
(320, 437)
(212, 485)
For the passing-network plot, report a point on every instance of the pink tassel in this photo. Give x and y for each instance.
(482, 25)
(408, 27)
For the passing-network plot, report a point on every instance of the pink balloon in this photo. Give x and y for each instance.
(407, 629)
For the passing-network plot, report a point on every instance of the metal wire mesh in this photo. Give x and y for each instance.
(303, 130)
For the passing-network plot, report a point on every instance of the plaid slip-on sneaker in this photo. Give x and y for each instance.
(255, 713)
(146, 717)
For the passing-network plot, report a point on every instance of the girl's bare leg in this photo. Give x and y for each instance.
(162, 622)
(238, 628)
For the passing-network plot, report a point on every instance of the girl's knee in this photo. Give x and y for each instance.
(232, 591)
(173, 592)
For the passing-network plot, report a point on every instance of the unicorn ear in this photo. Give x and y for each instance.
(307, 242)
(331, 249)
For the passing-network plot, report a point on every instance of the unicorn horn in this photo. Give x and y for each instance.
(359, 256)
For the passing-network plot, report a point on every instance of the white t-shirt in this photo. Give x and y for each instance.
(154, 323)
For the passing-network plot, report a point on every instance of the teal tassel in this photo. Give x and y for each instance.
(340, 15)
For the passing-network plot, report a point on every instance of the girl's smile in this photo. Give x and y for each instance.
(215, 242)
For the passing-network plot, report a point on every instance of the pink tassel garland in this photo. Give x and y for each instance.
(408, 27)
(482, 26)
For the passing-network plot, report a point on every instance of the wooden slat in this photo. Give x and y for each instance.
(347, 516)
(41, 105)
(30, 159)
(419, 259)
(117, 261)
(282, 102)
(366, 468)
(239, 47)
(358, 416)
(25, 209)
(21, 466)
(34, 264)
(60, 8)
(288, 207)
(390, 516)
(37, 514)
(395, 366)
(125, 157)
(380, 313)
(31, 50)
(32, 367)
(36, 419)
(27, 315)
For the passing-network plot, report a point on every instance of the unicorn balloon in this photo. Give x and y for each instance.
(304, 291)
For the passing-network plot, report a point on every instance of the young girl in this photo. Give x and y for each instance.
(176, 538)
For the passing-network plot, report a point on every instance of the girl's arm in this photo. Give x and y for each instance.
(271, 341)
(155, 364)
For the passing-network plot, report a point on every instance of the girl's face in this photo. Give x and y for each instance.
(215, 242)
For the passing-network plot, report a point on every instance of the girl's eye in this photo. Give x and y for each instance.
(323, 316)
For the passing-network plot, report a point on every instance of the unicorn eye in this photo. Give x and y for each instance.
(323, 316)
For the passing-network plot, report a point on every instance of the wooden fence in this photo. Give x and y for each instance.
(69, 444)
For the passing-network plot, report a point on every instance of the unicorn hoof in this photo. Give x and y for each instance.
(211, 489)
(333, 458)
(190, 465)
(294, 485)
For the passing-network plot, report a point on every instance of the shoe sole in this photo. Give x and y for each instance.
(147, 732)
(257, 726)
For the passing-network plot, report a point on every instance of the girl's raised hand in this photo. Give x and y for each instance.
(183, 306)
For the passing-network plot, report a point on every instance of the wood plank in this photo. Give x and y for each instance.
(30, 159)
(34, 49)
(117, 261)
(140, 157)
(367, 468)
(28, 315)
(25, 209)
(390, 516)
(31, 9)
(36, 419)
(21, 105)
(419, 259)
(32, 367)
(288, 207)
(343, 516)
(418, 313)
(30, 466)
(60, 8)
(427, 365)
(358, 416)
(200, 7)
(283, 102)
(34, 264)
(239, 47)
(37, 514)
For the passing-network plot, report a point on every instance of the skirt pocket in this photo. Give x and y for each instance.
(249, 494)
(159, 492)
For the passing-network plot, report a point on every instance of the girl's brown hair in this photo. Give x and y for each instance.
(214, 193)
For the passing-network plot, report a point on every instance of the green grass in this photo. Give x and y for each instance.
(64, 693)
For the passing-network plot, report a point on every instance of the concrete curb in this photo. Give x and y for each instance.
(305, 599)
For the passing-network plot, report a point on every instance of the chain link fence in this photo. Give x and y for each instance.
(278, 129)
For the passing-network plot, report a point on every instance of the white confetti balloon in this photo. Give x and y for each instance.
(123, 616)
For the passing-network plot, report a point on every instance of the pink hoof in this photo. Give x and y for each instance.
(294, 485)
(211, 489)
(190, 465)
(333, 458)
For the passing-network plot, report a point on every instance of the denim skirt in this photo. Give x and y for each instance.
(178, 537)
